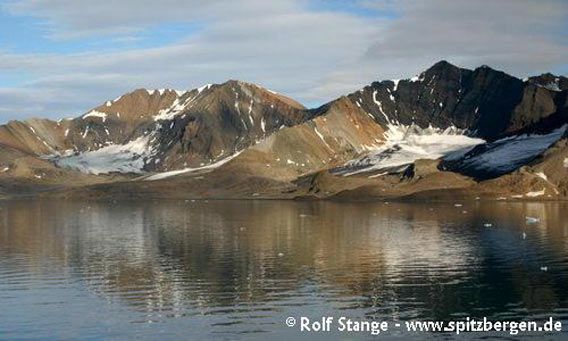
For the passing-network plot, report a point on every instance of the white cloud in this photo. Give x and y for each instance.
(519, 36)
(311, 55)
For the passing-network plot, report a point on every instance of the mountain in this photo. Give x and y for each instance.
(448, 131)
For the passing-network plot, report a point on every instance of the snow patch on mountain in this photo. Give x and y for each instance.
(125, 158)
(406, 144)
(165, 175)
(95, 113)
(552, 86)
(204, 87)
(179, 93)
(535, 194)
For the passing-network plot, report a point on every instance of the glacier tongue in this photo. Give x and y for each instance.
(507, 154)
(126, 158)
(406, 144)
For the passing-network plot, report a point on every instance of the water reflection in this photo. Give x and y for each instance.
(230, 266)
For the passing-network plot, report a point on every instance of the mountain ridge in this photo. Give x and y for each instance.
(242, 127)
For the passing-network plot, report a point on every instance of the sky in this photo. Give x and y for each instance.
(59, 58)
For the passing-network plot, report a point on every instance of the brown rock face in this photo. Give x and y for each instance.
(220, 120)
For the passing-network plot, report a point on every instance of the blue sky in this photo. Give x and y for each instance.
(59, 58)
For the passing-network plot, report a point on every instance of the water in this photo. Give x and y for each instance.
(237, 269)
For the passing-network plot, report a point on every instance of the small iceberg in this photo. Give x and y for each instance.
(532, 220)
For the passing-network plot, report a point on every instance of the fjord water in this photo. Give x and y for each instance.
(237, 269)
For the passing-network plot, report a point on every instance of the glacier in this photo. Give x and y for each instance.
(405, 144)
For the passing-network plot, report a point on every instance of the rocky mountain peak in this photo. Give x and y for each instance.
(550, 81)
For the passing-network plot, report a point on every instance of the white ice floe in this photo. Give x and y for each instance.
(95, 113)
(406, 144)
(125, 158)
(532, 220)
(164, 175)
(510, 153)
(566, 162)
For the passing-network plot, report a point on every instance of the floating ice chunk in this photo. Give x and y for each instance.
(532, 220)
(458, 205)
(488, 225)
(566, 162)
(544, 268)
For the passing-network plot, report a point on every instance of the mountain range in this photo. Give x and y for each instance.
(448, 133)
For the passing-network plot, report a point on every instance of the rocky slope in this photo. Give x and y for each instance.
(446, 133)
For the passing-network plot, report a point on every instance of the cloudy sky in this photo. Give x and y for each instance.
(58, 58)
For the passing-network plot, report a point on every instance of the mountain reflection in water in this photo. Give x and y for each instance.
(184, 269)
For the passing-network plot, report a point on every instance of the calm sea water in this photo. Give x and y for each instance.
(237, 269)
